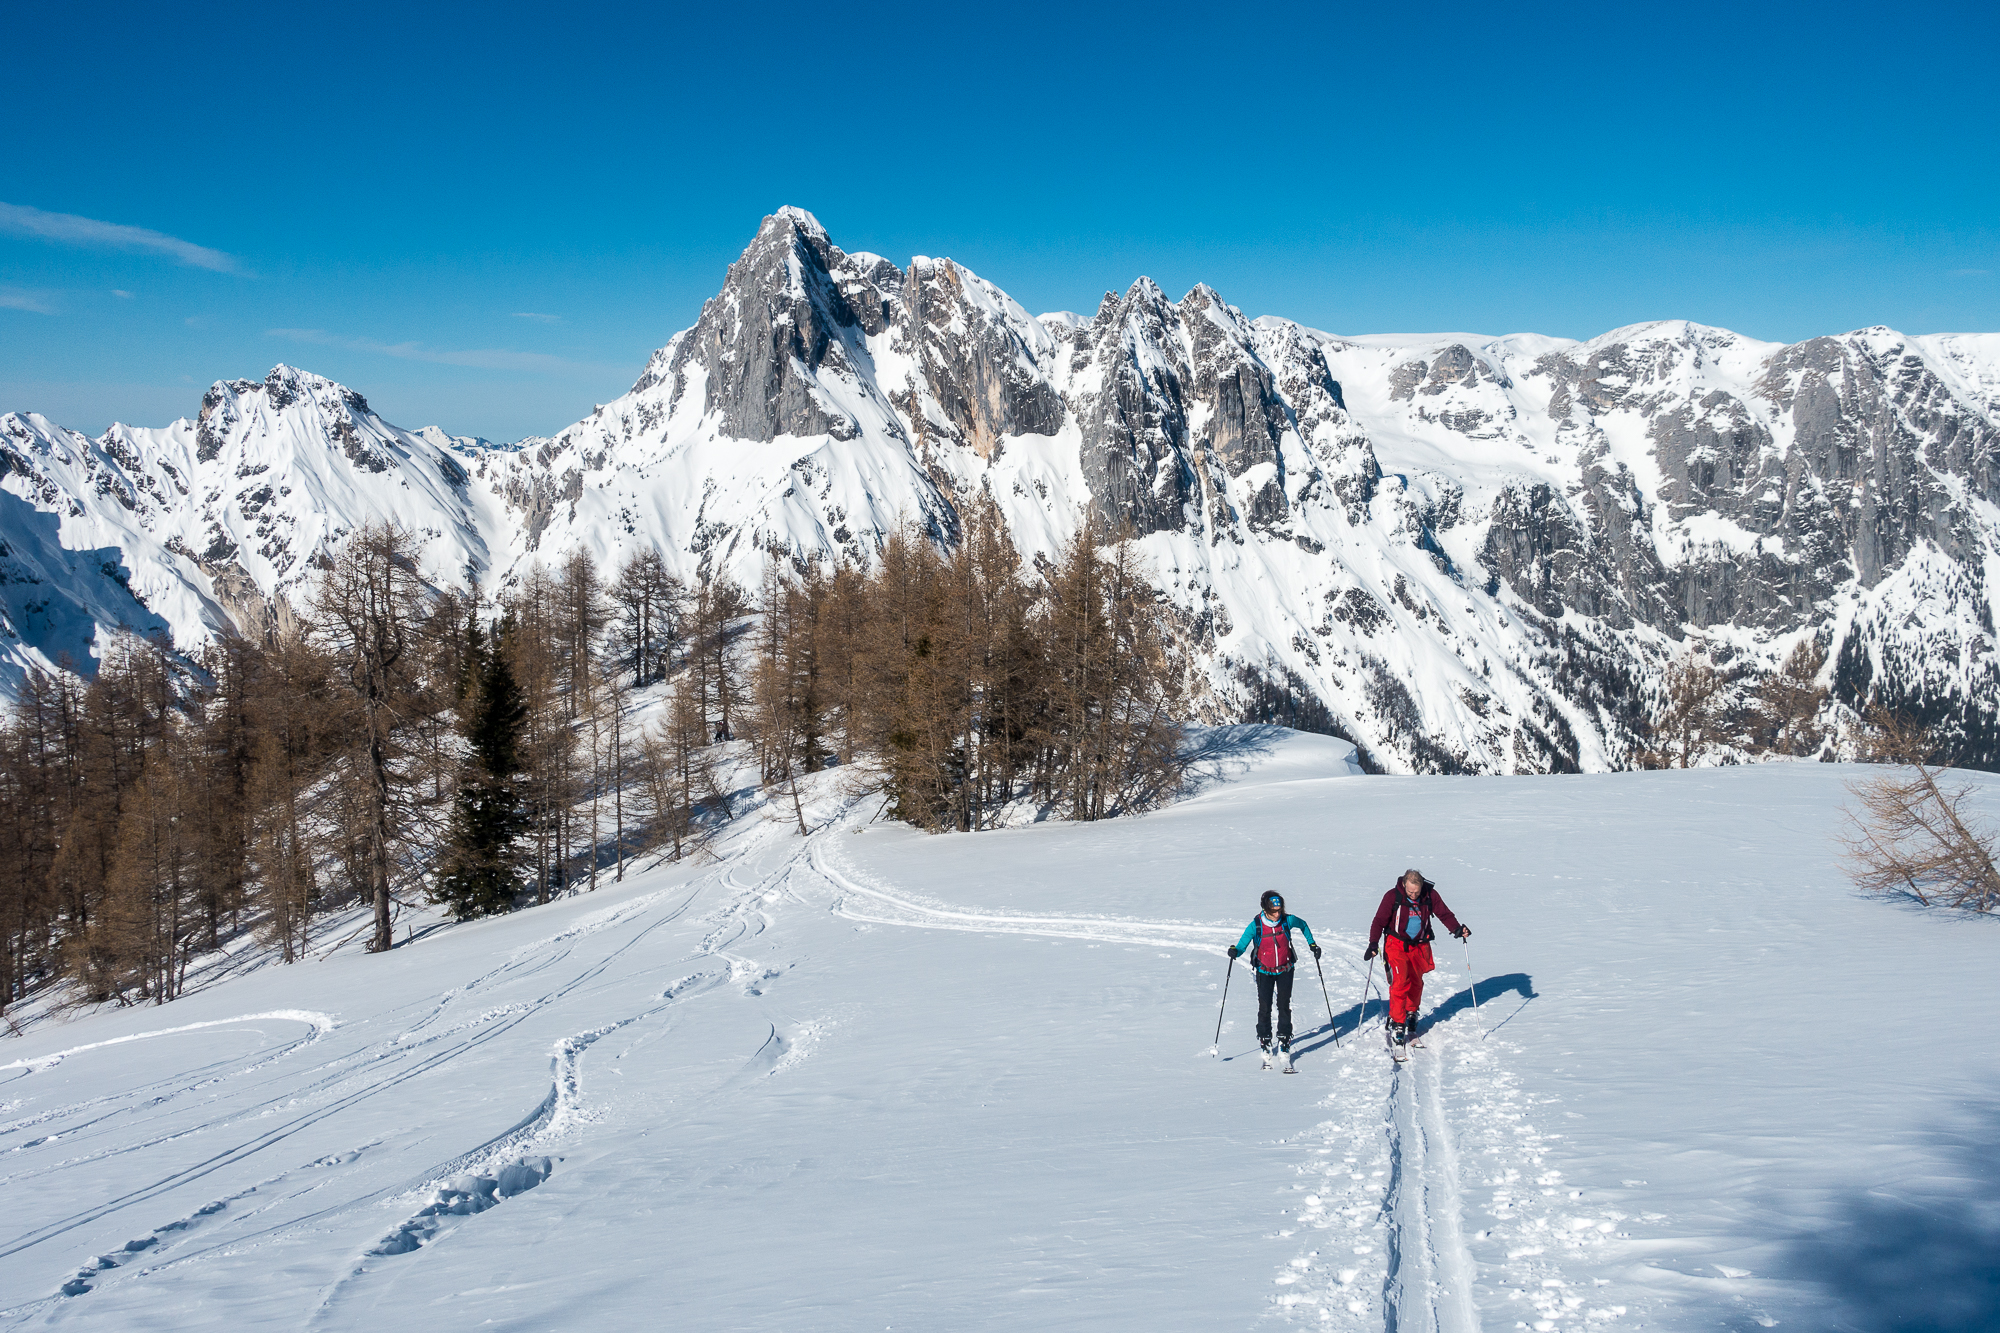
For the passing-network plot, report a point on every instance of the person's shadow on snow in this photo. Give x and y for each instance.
(1357, 1016)
(1491, 989)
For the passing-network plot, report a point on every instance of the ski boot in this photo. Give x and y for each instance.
(1399, 1031)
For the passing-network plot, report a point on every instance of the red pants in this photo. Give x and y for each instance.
(1407, 964)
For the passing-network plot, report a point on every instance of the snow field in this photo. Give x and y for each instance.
(877, 1079)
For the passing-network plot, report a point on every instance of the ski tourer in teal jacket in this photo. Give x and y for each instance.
(1275, 932)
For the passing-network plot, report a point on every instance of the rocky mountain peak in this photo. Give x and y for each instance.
(798, 219)
(789, 309)
(1201, 296)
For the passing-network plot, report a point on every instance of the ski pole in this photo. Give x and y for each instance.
(1472, 977)
(1361, 1005)
(1329, 1001)
(1386, 1009)
(1230, 972)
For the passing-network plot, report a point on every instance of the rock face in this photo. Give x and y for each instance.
(1469, 554)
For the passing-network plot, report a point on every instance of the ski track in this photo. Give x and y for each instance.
(1393, 1180)
(1202, 936)
(1428, 1288)
(320, 1024)
(341, 1083)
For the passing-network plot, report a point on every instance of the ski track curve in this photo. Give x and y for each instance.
(907, 911)
(321, 1024)
(152, 1093)
(425, 1045)
(508, 1164)
(421, 1048)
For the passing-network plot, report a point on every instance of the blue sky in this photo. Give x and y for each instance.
(485, 217)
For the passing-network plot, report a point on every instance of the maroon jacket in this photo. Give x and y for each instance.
(1394, 914)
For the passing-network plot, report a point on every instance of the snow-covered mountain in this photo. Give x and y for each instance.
(1476, 552)
(214, 520)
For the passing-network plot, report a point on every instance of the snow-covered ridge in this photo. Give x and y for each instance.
(212, 520)
(1474, 552)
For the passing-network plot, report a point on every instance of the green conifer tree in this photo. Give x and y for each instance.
(480, 866)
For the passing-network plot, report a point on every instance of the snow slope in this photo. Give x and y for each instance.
(875, 1079)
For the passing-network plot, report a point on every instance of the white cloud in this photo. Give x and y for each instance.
(121, 292)
(17, 298)
(544, 319)
(69, 229)
(478, 358)
(1970, 272)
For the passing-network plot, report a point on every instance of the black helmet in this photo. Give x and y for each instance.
(1272, 899)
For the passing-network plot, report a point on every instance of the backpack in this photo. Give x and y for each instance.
(1273, 949)
(1405, 909)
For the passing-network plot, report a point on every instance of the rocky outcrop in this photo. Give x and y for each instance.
(978, 356)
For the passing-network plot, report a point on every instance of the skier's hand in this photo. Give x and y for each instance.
(1314, 948)
(1465, 932)
(1234, 953)
(1369, 957)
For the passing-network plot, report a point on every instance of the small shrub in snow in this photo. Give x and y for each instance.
(1913, 835)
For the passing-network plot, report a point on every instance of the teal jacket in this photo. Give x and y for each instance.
(1291, 923)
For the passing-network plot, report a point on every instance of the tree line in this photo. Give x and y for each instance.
(1705, 708)
(398, 740)
(968, 684)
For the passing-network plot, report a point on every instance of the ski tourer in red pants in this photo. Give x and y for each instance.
(1402, 931)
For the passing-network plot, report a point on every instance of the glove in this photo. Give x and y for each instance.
(1370, 955)
(1234, 953)
(1465, 932)
(1314, 948)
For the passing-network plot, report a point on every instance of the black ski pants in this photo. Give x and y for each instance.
(1279, 986)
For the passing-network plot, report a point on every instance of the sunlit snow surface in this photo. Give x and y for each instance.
(873, 1079)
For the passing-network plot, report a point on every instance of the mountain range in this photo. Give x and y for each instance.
(1466, 553)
